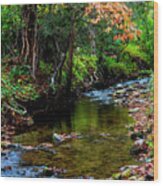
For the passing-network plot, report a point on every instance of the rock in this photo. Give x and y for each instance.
(48, 145)
(104, 134)
(53, 171)
(123, 168)
(116, 176)
(126, 173)
(14, 146)
(118, 101)
(7, 168)
(5, 144)
(133, 166)
(119, 86)
(114, 94)
(141, 178)
(148, 160)
(135, 151)
(144, 91)
(119, 96)
(46, 149)
(122, 91)
(132, 178)
(48, 172)
(139, 142)
(75, 135)
(142, 101)
(134, 110)
(130, 88)
(137, 135)
(57, 138)
(28, 148)
(124, 100)
(136, 94)
(110, 94)
(140, 86)
(149, 177)
(3, 153)
(126, 95)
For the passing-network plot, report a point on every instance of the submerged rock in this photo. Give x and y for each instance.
(57, 138)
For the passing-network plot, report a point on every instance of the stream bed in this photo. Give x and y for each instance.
(89, 141)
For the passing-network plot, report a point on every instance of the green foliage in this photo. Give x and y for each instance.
(19, 70)
(135, 52)
(82, 63)
(19, 89)
(145, 10)
(14, 88)
(11, 25)
(145, 72)
(110, 46)
(115, 68)
(45, 68)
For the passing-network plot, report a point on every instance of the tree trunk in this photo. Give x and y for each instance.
(29, 52)
(70, 60)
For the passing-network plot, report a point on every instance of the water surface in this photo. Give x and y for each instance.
(102, 149)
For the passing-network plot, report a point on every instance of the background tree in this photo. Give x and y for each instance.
(29, 52)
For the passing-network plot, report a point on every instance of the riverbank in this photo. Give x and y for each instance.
(141, 108)
(134, 95)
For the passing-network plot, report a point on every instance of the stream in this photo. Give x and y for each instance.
(89, 141)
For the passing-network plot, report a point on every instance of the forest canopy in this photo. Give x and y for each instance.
(63, 48)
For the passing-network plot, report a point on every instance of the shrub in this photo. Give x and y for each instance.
(119, 69)
(45, 68)
(16, 86)
(135, 52)
(82, 63)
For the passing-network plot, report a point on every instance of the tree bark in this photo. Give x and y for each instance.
(29, 52)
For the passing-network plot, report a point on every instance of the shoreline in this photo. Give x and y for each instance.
(137, 100)
(141, 109)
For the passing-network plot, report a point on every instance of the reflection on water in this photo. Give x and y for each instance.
(103, 148)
